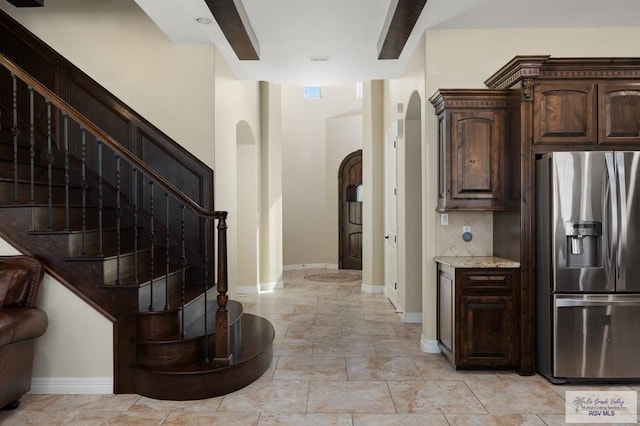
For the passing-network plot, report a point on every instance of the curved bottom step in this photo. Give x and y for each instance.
(252, 345)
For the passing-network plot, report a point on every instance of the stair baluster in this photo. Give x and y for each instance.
(134, 180)
(15, 132)
(67, 179)
(32, 149)
(100, 200)
(84, 186)
(49, 170)
(183, 271)
(167, 259)
(118, 218)
(152, 240)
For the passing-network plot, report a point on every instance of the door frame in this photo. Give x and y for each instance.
(341, 200)
(391, 203)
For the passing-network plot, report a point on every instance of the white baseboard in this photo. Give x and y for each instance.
(370, 288)
(247, 289)
(262, 287)
(309, 266)
(412, 317)
(273, 285)
(429, 346)
(72, 385)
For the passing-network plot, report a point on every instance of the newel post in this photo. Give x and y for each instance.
(222, 354)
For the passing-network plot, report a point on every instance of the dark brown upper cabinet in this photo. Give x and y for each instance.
(619, 112)
(471, 149)
(586, 113)
(565, 113)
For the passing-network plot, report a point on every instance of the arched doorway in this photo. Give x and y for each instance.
(350, 215)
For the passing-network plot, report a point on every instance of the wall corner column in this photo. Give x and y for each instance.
(373, 186)
(271, 249)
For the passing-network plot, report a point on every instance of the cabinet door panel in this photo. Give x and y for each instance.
(445, 311)
(487, 330)
(564, 113)
(619, 116)
(477, 141)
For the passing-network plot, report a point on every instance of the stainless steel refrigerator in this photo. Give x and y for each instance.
(588, 265)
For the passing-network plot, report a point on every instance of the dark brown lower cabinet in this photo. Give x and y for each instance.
(477, 316)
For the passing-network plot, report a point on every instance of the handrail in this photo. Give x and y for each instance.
(108, 140)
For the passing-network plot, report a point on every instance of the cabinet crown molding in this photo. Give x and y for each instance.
(545, 67)
(469, 98)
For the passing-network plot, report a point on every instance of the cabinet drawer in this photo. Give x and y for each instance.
(487, 280)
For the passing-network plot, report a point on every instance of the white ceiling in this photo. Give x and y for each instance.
(347, 32)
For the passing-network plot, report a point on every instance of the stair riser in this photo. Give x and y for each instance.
(127, 263)
(41, 218)
(40, 193)
(109, 243)
(40, 172)
(164, 325)
(24, 155)
(170, 354)
(159, 285)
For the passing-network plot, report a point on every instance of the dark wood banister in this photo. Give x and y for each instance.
(108, 140)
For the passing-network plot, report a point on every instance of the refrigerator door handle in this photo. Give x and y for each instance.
(610, 213)
(621, 278)
(573, 303)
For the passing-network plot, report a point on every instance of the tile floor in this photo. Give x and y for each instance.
(341, 357)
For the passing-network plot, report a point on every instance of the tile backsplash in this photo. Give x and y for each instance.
(449, 240)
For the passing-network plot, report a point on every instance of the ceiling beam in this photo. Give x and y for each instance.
(27, 3)
(398, 27)
(235, 26)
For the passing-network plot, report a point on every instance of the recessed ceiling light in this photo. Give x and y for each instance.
(203, 20)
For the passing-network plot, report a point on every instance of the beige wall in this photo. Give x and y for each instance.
(316, 136)
(465, 59)
(78, 342)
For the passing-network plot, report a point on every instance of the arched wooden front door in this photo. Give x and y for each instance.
(350, 187)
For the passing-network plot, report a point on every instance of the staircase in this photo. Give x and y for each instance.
(127, 241)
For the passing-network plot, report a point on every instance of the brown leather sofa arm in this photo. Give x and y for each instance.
(21, 324)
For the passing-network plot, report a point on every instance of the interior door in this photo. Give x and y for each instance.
(391, 201)
(350, 185)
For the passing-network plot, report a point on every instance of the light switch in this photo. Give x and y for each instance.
(444, 219)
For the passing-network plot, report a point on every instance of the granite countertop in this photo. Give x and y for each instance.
(476, 262)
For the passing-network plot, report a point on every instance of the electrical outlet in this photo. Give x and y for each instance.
(444, 219)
